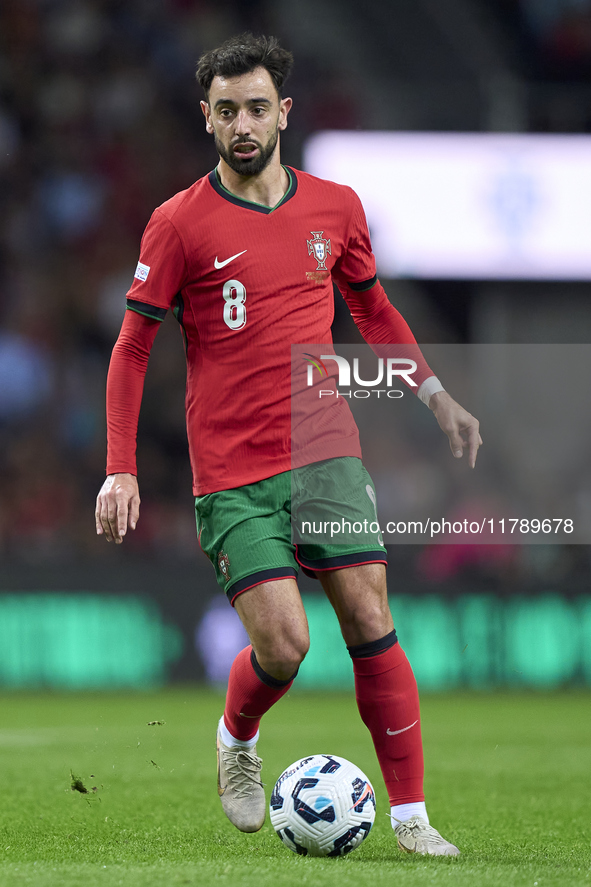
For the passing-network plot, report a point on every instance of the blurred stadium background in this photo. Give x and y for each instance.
(99, 123)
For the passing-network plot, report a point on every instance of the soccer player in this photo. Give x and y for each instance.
(246, 258)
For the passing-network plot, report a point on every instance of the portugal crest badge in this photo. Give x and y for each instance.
(224, 564)
(319, 247)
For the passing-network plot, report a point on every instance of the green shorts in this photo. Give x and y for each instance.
(320, 517)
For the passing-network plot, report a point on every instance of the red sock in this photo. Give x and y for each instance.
(388, 702)
(251, 693)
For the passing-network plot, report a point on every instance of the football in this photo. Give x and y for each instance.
(322, 806)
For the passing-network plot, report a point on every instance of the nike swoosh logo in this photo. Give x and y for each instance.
(404, 729)
(218, 264)
(221, 791)
(366, 794)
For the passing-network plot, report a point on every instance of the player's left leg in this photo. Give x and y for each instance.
(387, 698)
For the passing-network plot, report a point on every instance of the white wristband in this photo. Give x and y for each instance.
(430, 386)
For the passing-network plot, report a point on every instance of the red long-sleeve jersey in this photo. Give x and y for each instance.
(246, 282)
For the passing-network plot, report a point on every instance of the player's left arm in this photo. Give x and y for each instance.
(462, 429)
(381, 324)
(387, 332)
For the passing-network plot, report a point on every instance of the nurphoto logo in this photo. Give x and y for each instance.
(389, 372)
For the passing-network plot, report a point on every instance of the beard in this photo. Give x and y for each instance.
(254, 165)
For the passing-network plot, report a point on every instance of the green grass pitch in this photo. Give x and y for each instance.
(507, 779)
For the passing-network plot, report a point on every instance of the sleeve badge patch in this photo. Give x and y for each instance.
(142, 271)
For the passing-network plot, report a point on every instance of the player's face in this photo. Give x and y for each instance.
(245, 116)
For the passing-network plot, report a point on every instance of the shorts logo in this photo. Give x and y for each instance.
(142, 271)
(224, 564)
(319, 247)
(372, 497)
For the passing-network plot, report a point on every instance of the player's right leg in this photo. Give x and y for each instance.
(261, 674)
(246, 533)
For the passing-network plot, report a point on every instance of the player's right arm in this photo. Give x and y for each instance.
(118, 502)
(160, 274)
(117, 507)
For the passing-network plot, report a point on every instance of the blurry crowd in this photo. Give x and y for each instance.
(559, 32)
(99, 123)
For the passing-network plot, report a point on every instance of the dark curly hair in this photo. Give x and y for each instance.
(241, 55)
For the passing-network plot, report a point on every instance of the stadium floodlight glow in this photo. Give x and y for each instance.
(472, 640)
(83, 641)
(467, 205)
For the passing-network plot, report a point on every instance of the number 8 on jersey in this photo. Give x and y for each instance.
(234, 294)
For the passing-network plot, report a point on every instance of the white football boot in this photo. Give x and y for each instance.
(417, 836)
(239, 786)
